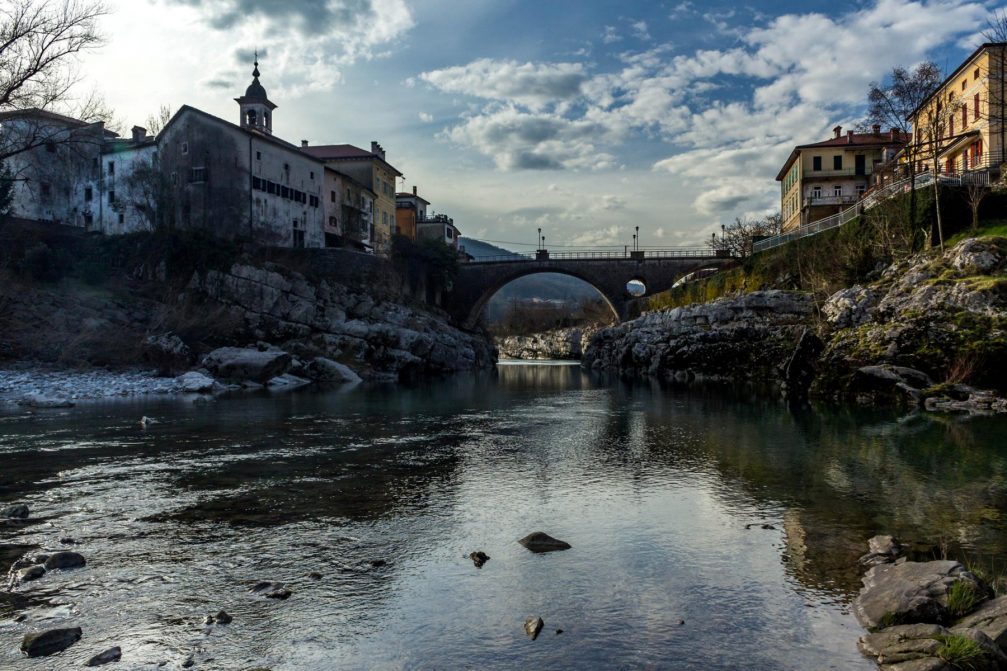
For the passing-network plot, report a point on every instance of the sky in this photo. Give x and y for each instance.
(585, 118)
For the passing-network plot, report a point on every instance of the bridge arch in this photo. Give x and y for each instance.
(477, 282)
(503, 279)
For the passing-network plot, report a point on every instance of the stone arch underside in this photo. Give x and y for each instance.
(478, 282)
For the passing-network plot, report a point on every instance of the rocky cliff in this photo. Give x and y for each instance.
(375, 336)
(742, 338)
(567, 343)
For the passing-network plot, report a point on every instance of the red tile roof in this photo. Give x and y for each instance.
(335, 152)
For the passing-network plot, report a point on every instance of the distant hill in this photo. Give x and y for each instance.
(479, 249)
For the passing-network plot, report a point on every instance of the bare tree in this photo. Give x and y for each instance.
(891, 103)
(39, 44)
(157, 122)
(737, 238)
(974, 194)
(147, 190)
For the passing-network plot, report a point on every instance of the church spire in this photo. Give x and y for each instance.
(255, 72)
(256, 108)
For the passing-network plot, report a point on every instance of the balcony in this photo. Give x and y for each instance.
(831, 200)
(830, 173)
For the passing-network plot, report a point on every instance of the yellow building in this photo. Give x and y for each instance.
(960, 127)
(826, 177)
(372, 170)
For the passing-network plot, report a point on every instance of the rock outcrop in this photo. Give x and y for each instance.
(237, 364)
(928, 319)
(374, 336)
(557, 344)
(748, 337)
(909, 592)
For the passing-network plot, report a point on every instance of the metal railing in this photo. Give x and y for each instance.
(979, 177)
(640, 254)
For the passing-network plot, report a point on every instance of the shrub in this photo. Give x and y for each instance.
(41, 264)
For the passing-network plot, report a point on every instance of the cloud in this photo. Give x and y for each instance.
(303, 44)
(611, 35)
(426, 117)
(519, 140)
(535, 85)
(640, 30)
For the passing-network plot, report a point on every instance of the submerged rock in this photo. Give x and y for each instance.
(49, 642)
(271, 590)
(107, 657)
(909, 592)
(64, 560)
(45, 401)
(18, 510)
(30, 573)
(881, 550)
(220, 618)
(533, 626)
(479, 558)
(195, 382)
(327, 371)
(543, 542)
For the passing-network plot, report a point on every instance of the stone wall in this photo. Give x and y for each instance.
(566, 343)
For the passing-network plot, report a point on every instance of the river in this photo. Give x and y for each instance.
(663, 493)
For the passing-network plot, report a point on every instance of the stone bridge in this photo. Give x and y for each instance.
(608, 272)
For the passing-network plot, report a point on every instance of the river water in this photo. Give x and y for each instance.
(662, 492)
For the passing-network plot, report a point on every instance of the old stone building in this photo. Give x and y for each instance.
(349, 211)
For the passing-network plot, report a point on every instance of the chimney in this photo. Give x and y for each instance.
(304, 143)
(893, 133)
(838, 130)
(849, 137)
(876, 128)
(139, 133)
(414, 189)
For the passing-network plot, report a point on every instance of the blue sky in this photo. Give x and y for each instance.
(583, 118)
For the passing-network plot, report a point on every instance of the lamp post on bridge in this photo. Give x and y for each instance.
(542, 254)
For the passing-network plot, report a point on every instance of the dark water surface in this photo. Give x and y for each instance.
(652, 486)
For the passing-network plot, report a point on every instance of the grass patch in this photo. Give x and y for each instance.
(963, 597)
(960, 652)
(995, 228)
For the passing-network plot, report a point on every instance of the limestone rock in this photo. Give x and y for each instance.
(976, 256)
(533, 626)
(110, 655)
(45, 401)
(194, 382)
(850, 307)
(168, 353)
(327, 371)
(566, 343)
(919, 647)
(50, 642)
(542, 542)
(64, 560)
(239, 364)
(30, 573)
(881, 550)
(991, 619)
(908, 592)
(18, 510)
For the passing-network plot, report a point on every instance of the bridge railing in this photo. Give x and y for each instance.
(601, 255)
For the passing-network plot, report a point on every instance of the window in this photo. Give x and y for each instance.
(257, 183)
(284, 192)
(837, 191)
(837, 162)
(258, 156)
(270, 187)
(88, 194)
(816, 163)
(860, 189)
(951, 125)
(332, 196)
(964, 82)
(975, 107)
(111, 197)
(111, 167)
(174, 178)
(298, 235)
(185, 148)
(46, 189)
(312, 175)
(88, 220)
(313, 201)
(965, 116)
(197, 175)
(122, 218)
(975, 74)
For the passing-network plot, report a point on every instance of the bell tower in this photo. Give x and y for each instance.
(256, 108)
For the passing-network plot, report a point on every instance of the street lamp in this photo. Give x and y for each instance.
(637, 238)
(540, 239)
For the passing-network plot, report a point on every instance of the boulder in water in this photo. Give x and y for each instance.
(532, 627)
(110, 655)
(49, 642)
(18, 510)
(543, 542)
(64, 560)
(239, 364)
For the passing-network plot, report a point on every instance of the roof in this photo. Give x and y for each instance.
(406, 194)
(52, 116)
(849, 141)
(982, 47)
(344, 152)
(247, 131)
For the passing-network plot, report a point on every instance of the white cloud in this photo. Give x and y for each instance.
(611, 35)
(426, 117)
(640, 30)
(534, 85)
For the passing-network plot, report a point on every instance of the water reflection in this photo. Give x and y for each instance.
(662, 491)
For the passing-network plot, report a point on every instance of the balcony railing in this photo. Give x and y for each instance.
(832, 200)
